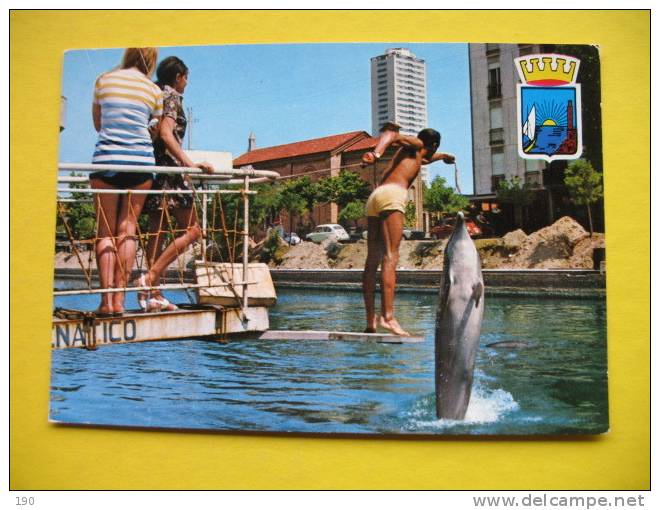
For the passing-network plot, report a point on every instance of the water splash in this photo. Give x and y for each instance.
(486, 406)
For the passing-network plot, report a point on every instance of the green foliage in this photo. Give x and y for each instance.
(296, 196)
(584, 183)
(514, 191)
(410, 217)
(224, 211)
(441, 198)
(352, 211)
(80, 215)
(343, 189)
(264, 205)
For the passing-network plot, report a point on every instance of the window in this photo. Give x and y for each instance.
(496, 125)
(497, 136)
(494, 81)
(496, 117)
(492, 48)
(532, 165)
(497, 161)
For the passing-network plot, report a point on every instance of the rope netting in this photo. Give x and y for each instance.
(219, 214)
(216, 211)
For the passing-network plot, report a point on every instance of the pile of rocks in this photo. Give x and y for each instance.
(562, 245)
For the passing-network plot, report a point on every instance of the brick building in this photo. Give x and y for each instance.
(324, 157)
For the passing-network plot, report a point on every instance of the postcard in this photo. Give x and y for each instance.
(376, 239)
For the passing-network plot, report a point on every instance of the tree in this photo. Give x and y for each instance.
(352, 211)
(517, 193)
(441, 198)
(343, 189)
(410, 217)
(585, 185)
(264, 205)
(80, 215)
(296, 196)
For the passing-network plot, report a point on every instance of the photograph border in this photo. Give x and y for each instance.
(49, 456)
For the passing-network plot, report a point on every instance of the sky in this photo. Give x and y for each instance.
(282, 93)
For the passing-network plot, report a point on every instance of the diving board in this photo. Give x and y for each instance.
(344, 336)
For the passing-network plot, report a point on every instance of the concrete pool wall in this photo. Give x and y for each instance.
(578, 283)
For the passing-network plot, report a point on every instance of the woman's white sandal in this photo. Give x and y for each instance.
(160, 304)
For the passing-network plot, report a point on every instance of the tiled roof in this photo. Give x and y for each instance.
(325, 144)
(363, 145)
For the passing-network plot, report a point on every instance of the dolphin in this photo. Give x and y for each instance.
(509, 344)
(458, 323)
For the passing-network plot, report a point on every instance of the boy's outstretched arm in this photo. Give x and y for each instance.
(387, 138)
(444, 156)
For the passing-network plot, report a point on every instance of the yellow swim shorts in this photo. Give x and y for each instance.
(388, 197)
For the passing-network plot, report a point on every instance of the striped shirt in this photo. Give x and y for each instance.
(128, 100)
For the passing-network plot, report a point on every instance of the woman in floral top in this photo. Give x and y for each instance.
(172, 76)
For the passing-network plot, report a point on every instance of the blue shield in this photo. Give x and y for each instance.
(549, 122)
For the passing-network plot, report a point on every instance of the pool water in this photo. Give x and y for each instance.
(556, 385)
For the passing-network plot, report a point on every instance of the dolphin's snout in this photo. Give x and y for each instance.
(460, 220)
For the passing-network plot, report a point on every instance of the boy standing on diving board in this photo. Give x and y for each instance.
(386, 208)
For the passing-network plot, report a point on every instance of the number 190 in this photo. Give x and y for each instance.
(23, 501)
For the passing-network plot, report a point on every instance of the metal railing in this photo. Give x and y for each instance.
(243, 176)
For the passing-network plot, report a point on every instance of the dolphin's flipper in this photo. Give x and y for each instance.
(477, 292)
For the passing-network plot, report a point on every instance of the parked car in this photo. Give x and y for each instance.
(323, 232)
(446, 227)
(292, 238)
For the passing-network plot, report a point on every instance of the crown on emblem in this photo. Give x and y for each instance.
(547, 69)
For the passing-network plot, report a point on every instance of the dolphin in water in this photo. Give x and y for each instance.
(458, 323)
(510, 344)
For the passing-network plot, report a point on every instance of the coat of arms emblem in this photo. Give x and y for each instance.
(549, 107)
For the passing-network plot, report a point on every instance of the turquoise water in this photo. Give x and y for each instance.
(558, 385)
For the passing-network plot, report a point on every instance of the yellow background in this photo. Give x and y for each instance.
(44, 456)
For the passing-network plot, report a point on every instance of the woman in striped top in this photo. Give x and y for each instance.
(125, 100)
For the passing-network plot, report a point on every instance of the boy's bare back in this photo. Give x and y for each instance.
(404, 168)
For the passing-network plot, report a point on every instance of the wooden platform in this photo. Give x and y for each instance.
(133, 327)
(207, 323)
(344, 336)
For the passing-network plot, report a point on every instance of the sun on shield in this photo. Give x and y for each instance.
(549, 107)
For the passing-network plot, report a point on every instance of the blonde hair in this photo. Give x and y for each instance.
(144, 59)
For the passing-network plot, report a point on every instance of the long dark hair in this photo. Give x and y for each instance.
(168, 70)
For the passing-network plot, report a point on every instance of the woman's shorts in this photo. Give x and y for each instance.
(387, 197)
(122, 180)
